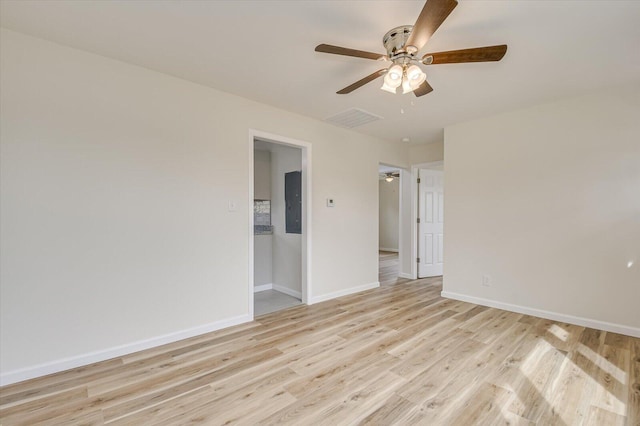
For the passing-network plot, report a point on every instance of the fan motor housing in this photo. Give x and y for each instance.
(395, 39)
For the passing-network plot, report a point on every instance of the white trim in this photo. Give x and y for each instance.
(392, 250)
(105, 354)
(263, 287)
(251, 201)
(405, 275)
(555, 316)
(414, 220)
(401, 208)
(307, 174)
(344, 292)
(285, 290)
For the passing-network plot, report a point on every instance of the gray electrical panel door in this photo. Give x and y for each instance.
(293, 202)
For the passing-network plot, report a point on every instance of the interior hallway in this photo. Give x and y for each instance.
(388, 269)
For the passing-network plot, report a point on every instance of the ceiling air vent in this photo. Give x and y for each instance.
(353, 117)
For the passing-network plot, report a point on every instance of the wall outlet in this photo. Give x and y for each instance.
(331, 202)
(486, 280)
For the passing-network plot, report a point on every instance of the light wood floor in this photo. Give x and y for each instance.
(399, 354)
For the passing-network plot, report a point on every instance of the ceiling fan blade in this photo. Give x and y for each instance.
(477, 54)
(337, 50)
(362, 82)
(423, 89)
(432, 16)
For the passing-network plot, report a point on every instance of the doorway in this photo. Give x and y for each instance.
(393, 225)
(279, 270)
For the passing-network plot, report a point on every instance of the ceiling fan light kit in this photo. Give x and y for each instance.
(403, 44)
(404, 71)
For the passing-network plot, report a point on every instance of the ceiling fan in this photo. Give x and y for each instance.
(403, 44)
(389, 176)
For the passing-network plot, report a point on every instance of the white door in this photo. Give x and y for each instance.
(430, 227)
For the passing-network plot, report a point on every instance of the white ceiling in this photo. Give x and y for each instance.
(263, 50)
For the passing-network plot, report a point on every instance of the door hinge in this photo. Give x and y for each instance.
(417, 259)
(418, 220)
(418, 180)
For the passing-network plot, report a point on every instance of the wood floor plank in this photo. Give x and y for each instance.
(326, 375)
(359, 401)
(562, 336)
(617, 340)
(43, 386)
(612, 392)
(569, 388)
(144, 369)
(37, 405)
(394, 408)
(430, 382)
(470, 313)
(633, 406)
(428, 354)
(533, 382)
(482, 407)
(592, 339)
(493, 329)
(399, 354)
(120, 416)
(598, 417)
(435, 329)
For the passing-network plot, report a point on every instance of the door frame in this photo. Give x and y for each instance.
(305, 148)
(414, 211)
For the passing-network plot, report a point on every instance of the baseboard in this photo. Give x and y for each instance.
(393, 250)
(407, 276)
(585, 322)
(57, 366)
(345, 292)
(262, 287)
(288, 291)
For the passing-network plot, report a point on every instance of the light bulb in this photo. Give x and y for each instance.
(395, 73)
(416, 76)
(389, 178)
(414, 72)
(391, 83)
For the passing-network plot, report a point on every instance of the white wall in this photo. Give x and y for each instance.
(262, 243)
(426, 153)
(287, 248)
(115, 229)
(546, 201)
(389, 212)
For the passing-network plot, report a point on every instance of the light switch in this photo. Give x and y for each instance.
(233, 206)
(331, 202)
